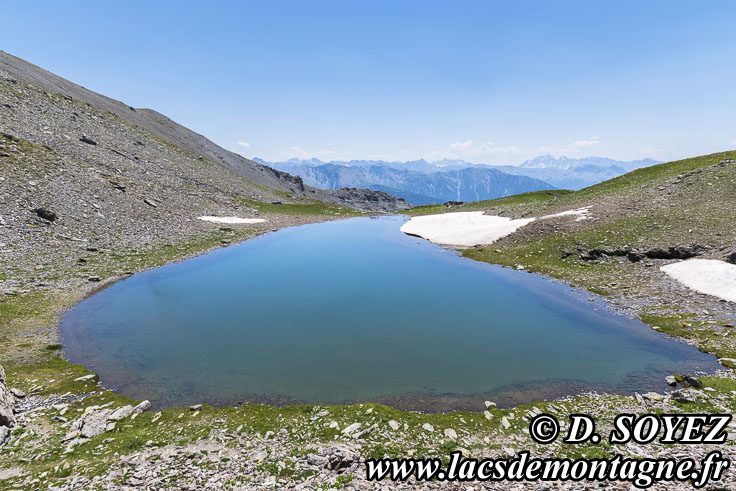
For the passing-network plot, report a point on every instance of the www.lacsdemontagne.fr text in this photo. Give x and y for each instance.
(686, 429)
(641, 472)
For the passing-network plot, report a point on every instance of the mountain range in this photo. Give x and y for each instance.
(421, 182)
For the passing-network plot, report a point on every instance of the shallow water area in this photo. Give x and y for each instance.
(356, 311)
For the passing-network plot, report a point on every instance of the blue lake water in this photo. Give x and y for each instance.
(356, 311)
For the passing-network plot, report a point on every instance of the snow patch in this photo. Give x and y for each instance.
(463, 228)
(469, 228)
(583, 214)
(231, 220)
(709, 276)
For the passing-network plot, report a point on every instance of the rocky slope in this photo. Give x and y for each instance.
(47, 106)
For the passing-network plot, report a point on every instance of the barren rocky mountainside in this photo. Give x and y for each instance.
(81, 174)
(28, 120)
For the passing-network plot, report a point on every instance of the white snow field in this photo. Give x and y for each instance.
(709, 276)
(231, 220)
(469, 228)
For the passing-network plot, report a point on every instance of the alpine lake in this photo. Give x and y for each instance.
(355, 311)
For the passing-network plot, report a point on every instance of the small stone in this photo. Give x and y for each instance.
(94, 279)
(150, 203)
(394, 425)
(490, 404)
(195, 407)
(450, 433)
(488, 415)
(84, 377)
(505, 423)
(156, 417)
(428, 427)
(671, 380)
(87, 140)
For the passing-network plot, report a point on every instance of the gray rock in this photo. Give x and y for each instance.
(45, 214)
(87, 140)
(690, 381)
(4, 435)
(351, 428)
(685, 395)
(121, 413)
(671, 380)
(143, 406)
(7, 402)
(339, 457)
(18, 393)
(195, 407)
(94, 423)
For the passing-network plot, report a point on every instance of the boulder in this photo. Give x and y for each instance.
(121, 413)
(339, 457)
(45, 214)
(143, 406)
(94, 423)
(685, 395)
(18, 393)
(87, 140)
(4, 435)
(351, 428)
(690, 381)
(7, 402)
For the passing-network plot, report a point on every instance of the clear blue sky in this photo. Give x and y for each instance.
(491, 82)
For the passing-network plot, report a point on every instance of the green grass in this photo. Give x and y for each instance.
(531, 198)
(309, 207)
